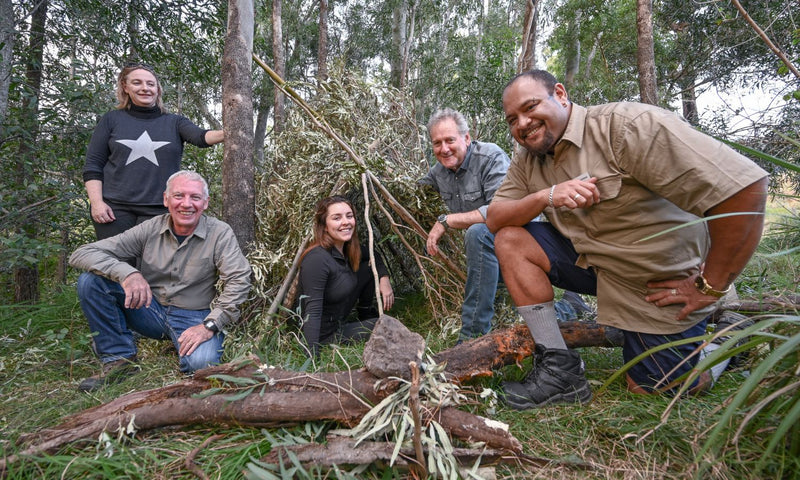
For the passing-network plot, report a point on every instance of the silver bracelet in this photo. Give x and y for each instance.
(550, 197)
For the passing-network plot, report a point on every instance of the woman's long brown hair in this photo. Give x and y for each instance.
(352, 249)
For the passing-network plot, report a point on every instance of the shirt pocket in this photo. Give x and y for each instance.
(473, 196)
(609, 186)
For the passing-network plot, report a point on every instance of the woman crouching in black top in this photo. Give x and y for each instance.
(335, 274)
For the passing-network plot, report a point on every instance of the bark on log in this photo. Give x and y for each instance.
(341, 451)
(286, 397)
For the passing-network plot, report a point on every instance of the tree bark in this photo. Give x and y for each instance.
(645, 54)
(399, 39)
(322, 48)
(26, 277)
(574, 51)
(8, 37)
(238, 173)
(527, 59)
(281, 397)
(279, 63)
(689, 102)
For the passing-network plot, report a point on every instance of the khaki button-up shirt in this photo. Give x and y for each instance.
(182, 275)
(654, 172)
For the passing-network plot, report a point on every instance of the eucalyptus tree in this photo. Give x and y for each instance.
(7, 38)
(50, 118)
(238, 175)
(594, 43)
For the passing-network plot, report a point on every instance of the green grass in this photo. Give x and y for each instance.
(45, 352)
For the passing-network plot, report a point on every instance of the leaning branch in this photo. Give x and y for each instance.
(761, 33)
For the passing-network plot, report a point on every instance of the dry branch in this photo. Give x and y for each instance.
(283, 397)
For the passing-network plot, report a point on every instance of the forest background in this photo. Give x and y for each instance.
(368, 74)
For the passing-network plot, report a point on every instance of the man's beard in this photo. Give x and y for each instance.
(544, 147)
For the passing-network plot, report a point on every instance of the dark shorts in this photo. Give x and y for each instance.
(563, 271)
(661, 368)
(650, 372)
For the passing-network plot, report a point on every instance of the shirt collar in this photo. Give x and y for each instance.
(201, 230)
(465, 163)
(574, 131)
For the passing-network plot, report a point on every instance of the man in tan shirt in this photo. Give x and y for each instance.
(173, 295)
(610, 178)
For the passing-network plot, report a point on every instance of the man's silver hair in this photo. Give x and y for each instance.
(189, 175)
(449, 113)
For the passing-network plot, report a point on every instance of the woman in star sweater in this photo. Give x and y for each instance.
(335, 274)
(133, 151)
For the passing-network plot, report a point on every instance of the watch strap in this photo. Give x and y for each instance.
(706, 289)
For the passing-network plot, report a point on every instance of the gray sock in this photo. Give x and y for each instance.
(541, 321)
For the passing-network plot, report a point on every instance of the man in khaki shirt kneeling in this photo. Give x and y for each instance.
(616, 181)
(173, 295)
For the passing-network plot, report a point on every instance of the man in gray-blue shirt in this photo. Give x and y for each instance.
(466, 175)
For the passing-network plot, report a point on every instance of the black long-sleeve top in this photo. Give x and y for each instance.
(134, 151)
(329, 290)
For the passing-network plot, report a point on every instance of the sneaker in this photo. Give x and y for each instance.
(557, 376)
(574, 299)
(112, 372)
(732, 322)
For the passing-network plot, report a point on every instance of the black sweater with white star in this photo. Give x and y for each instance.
(134, 151)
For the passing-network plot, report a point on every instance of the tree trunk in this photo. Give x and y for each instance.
(645, 53)
(399, 29)
(574, 51)
(689, 103)
(260, 133)
(322, 48)
(26, 277)
(279, 64)
(527, 59)
(238, 177)
(7, 39)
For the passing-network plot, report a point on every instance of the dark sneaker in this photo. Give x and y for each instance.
(577, 303)
(113, 372)
(732, 322)
(557, 376)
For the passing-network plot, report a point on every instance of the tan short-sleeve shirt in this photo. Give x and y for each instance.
(654, 172)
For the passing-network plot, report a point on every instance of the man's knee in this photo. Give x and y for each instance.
(507, 240)
(206, 355)
(88, 283)
(478, 234)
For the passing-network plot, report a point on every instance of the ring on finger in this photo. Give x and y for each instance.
(578, 196)
(673, 292)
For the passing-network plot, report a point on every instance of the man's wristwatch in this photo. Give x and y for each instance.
(702, 284)
(443, 220)
(210, 325)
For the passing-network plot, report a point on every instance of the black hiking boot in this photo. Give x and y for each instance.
(557, 376)
(112, 372)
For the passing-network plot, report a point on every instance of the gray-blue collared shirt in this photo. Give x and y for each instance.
(472, 186)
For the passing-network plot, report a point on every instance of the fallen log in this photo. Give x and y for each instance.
(342, 451)
(283, 397)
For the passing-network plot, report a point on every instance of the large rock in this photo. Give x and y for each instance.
(391, 347)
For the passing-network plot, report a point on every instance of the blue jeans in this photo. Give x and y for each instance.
(102, 301)
(483, 273)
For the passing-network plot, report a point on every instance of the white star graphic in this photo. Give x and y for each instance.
(142, 147)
